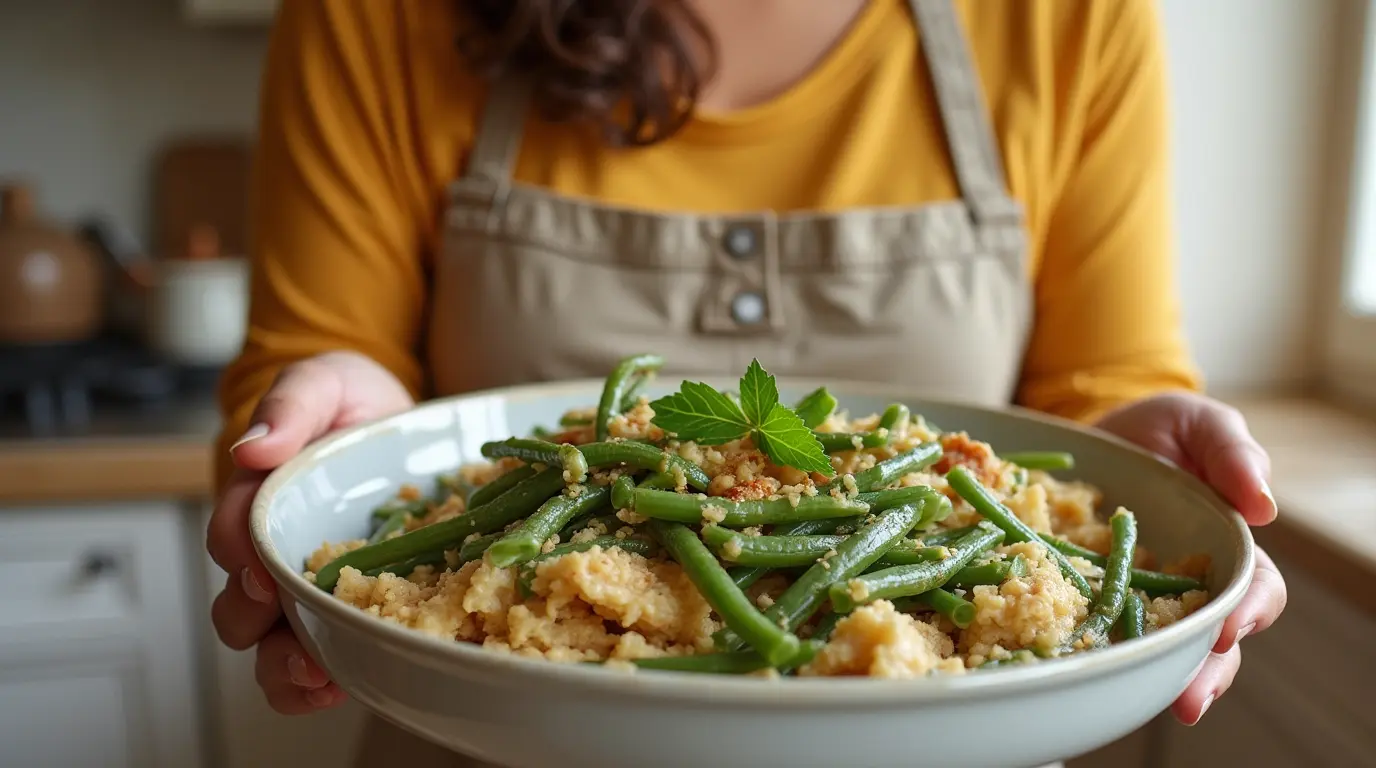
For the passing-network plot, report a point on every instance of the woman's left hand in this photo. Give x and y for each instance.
(1211, 440)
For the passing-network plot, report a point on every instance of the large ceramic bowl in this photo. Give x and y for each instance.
(535, 714)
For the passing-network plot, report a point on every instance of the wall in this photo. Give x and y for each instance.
(1252, 110)
(89, 90)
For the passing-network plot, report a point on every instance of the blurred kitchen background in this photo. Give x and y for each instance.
(125, 140)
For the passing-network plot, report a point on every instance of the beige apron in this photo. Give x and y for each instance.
(534, 286)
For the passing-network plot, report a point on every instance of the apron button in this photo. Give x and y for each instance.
(747, 308)
(740, 242)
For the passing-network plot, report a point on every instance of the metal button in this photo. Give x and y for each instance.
(747, 308)
(740, 241)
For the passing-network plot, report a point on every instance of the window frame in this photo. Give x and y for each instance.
(1350, 369)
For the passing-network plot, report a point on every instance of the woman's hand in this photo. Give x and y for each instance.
(1210, 440)
(309, 400)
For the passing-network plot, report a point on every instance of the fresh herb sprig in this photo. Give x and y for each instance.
(700, 413)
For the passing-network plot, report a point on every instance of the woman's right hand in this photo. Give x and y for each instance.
(309, 400)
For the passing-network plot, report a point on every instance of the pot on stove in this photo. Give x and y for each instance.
(51, 286)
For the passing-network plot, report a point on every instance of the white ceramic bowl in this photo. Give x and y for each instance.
(534, 714)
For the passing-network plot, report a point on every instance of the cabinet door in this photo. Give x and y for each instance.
(74, 712)
(96, 637)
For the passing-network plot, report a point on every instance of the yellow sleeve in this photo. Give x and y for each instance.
(337, 242)
(1108, 328)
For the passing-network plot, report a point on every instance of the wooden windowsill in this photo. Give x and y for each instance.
(1323, 459)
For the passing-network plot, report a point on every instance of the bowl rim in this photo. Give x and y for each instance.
(719, 690)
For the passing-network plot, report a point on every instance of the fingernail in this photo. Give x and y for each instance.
(1270, 499)
(320, 697)
(298, 672)
(1203, 708)
(1245, 631)
(254, 432)
(252, 588)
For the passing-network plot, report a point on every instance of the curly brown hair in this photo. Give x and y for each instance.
(631, 68)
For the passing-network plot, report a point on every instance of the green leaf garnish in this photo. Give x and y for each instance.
(699, 413)
(759, 393)
(789, 443)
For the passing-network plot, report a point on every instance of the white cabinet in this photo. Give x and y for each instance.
(97, 645)
(229, 11)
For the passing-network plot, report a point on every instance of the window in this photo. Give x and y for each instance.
(1351, 369)
(1360, 278)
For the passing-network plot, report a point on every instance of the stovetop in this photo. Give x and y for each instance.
(54, 389)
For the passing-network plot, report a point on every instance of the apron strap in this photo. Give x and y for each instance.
(498, 138)
(969, 132)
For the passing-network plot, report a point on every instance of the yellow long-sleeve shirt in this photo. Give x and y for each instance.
(367, 113)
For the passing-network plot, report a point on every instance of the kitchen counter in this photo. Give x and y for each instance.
(1324, 477)
(125, 452)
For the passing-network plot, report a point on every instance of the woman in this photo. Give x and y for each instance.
(966, 197)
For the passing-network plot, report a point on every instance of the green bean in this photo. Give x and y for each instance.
(525, 542)
(816, 407)
(807, 593)
(796, 551)
(1152, 582)
(960, 611)
(1017, 657)
(416, 508)
(632, 397)
(644, 456)
(467, 552)
(744, 577)
(513, 505)
(1132, 623)
(895, 415)
(610, 523)
(770, 639)
(452, 485)
(890, 470)
(405, 567)
(728, 662)
(904, 580)
(936, 506)
(944, 536)
(979, 497)
(623, 488)
(525, 574)
(907, 552)
(826, 625)
(623, 492)
(1093, 632)
(992, 573)
(396, 522)
(566, 456)
(685, 508)
(617, 385)
(629, 452)
(817, 527)
(836, 442)
(1046, 461)
(569, 420)
(500, 485)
